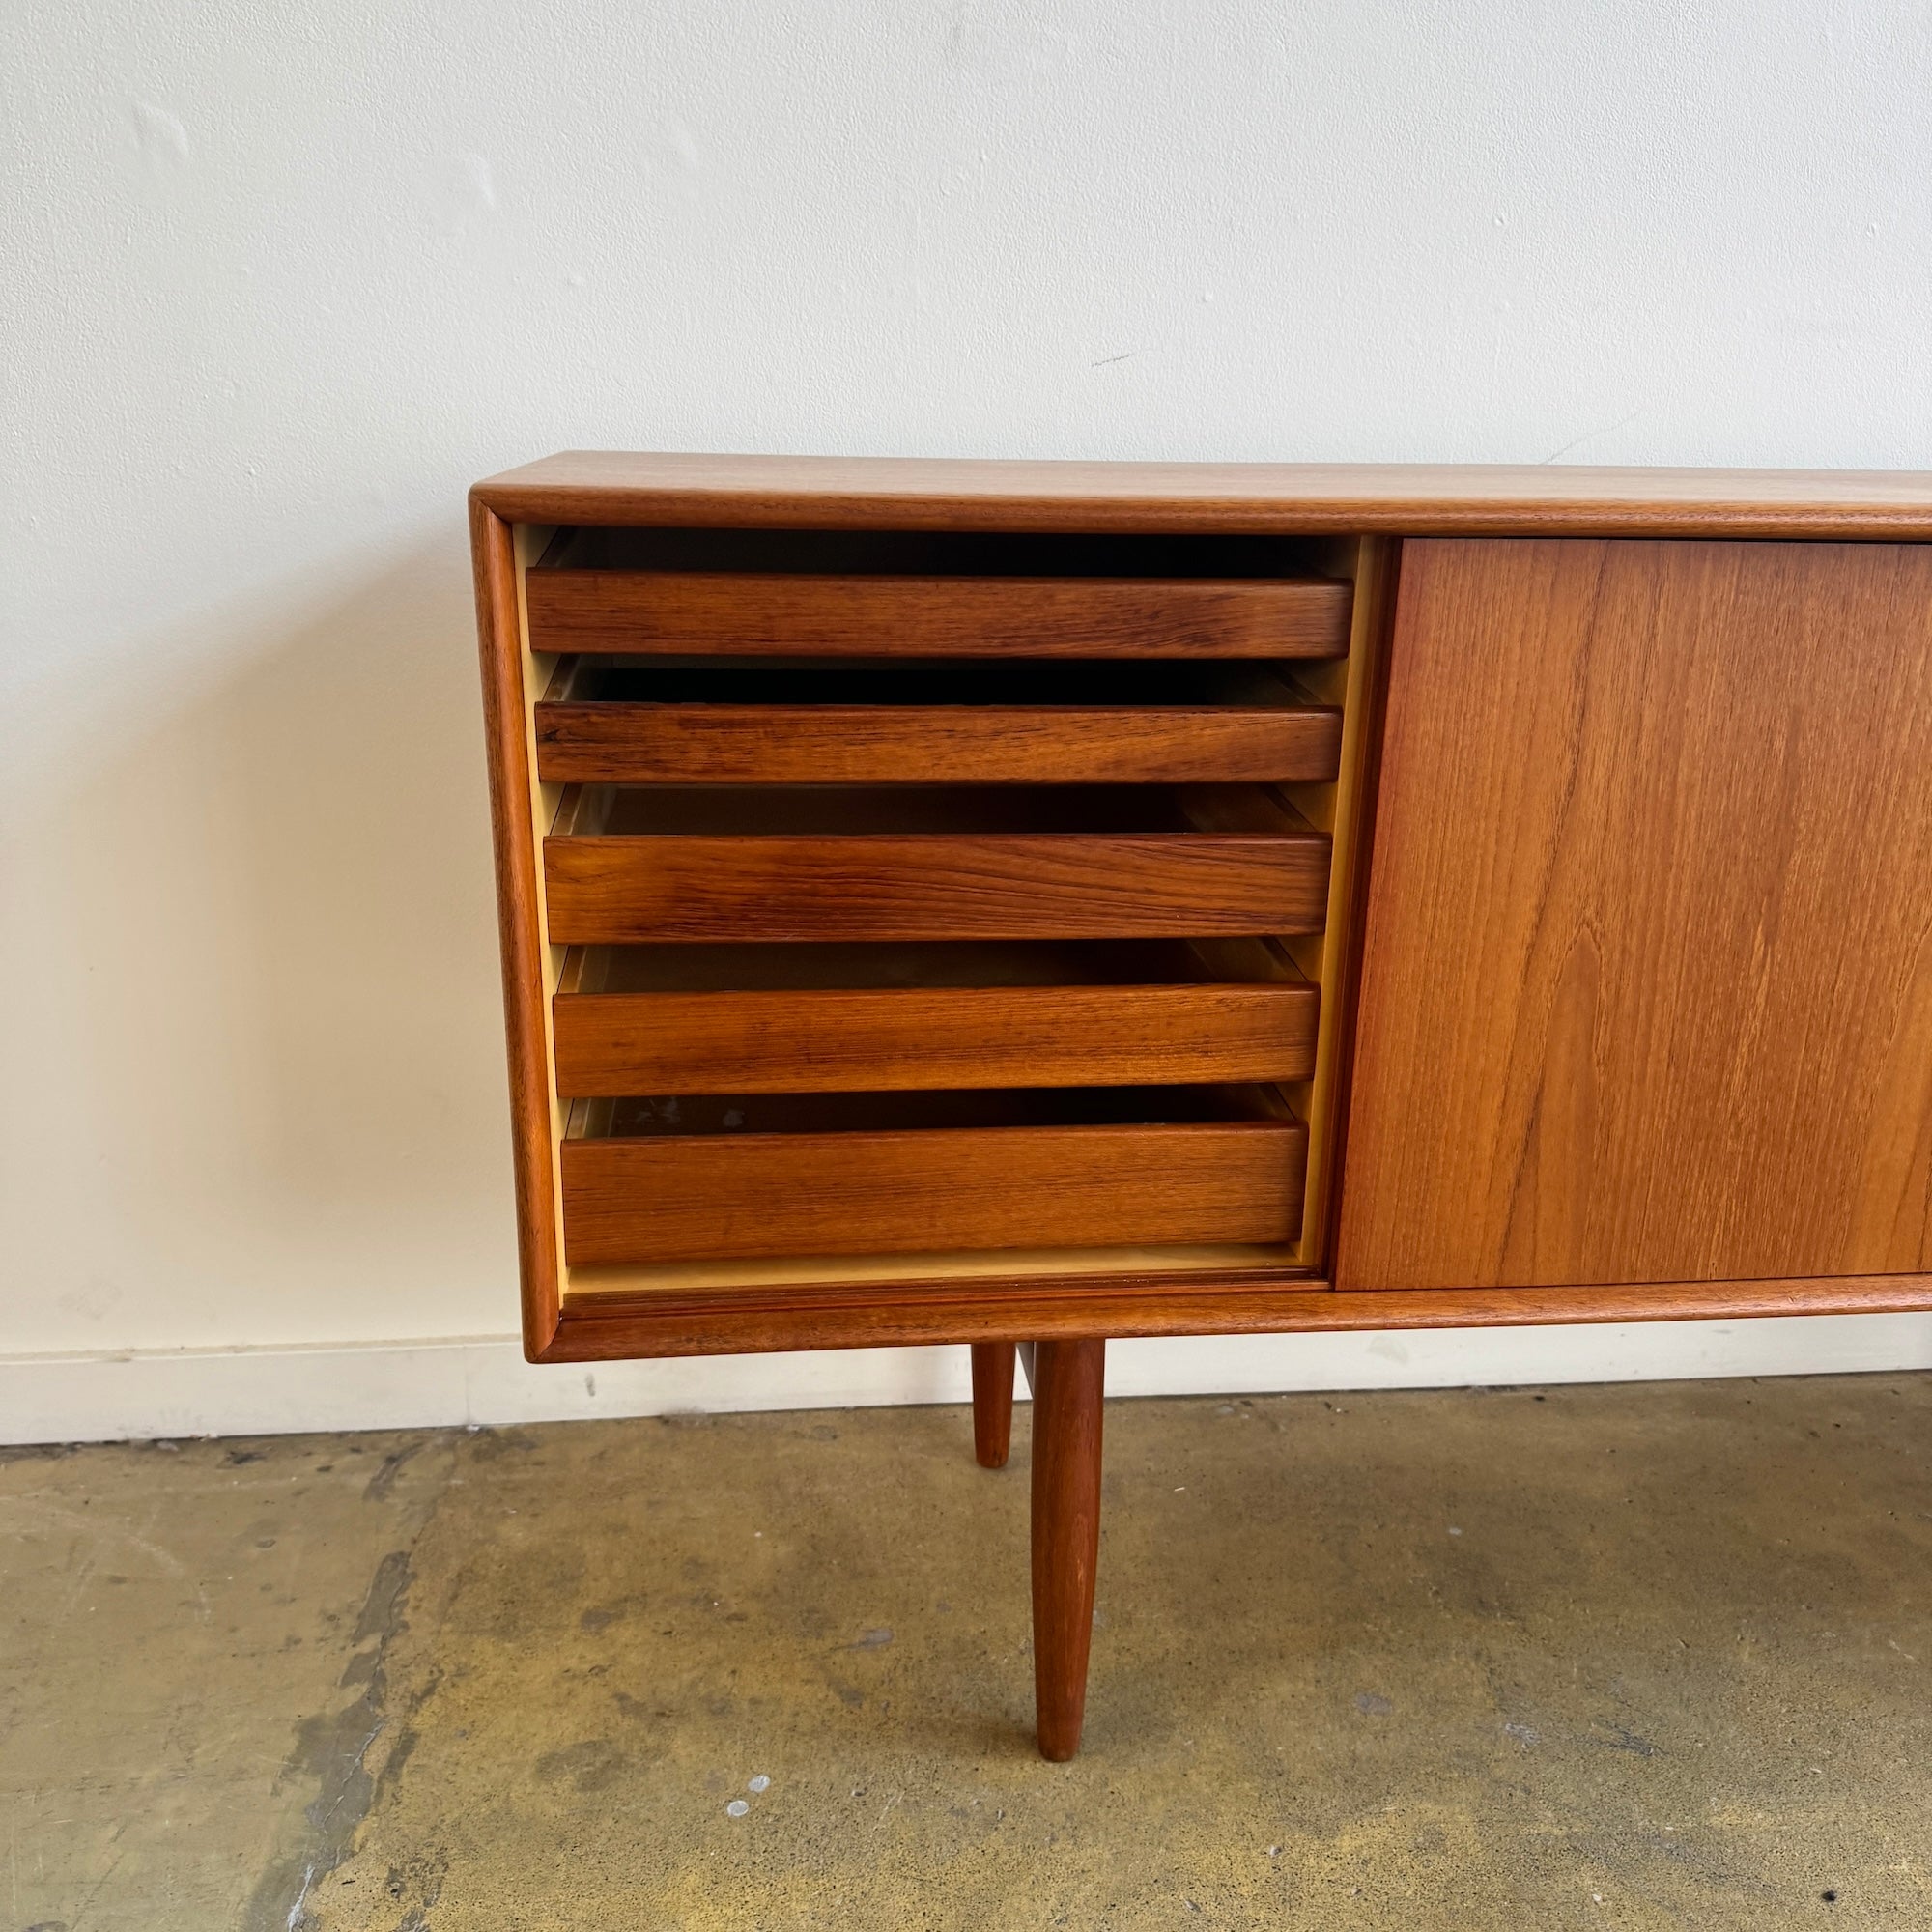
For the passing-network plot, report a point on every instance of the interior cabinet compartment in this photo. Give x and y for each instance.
(630, 865)
(1019, 722)
(892, 594)
(830, 1017)
(739, 1177)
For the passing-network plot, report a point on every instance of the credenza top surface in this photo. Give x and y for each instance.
(1412, 499)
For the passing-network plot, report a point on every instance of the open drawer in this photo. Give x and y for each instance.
(623, 723)
(633, 864)
(798, 1019)
(723, 1176)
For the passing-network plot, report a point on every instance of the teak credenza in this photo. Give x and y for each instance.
(1019, 903)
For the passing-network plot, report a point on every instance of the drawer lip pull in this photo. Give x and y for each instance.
(774, 613)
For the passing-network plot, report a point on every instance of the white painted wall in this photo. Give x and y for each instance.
(281, 280)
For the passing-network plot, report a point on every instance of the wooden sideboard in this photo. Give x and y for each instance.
(1023, 903)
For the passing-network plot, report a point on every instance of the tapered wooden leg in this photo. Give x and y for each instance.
(992, 1403)
(1067, 1387)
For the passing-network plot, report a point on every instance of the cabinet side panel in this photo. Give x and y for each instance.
(506, 705)
(1647, 980)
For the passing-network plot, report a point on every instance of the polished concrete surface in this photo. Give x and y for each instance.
(1634, 1657)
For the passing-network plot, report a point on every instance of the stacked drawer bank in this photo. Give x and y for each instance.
(947, 904)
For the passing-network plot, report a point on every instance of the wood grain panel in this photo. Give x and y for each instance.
(915, 494)
(775, 612)
(1647, 980)
(978, 744)
(612, 891)
(857, 1039)
(672, 1196)
(697, 864)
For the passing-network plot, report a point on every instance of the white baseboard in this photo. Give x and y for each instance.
(485, 1379)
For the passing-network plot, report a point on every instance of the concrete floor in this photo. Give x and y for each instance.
(1632, 1657)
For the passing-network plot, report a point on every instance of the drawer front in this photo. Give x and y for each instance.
(724, 613)
(857, 1039)
(749, 744)
(619, 890)
(657, 1199)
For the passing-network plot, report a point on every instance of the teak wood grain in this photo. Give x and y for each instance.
(600, 1327)
(1068, 1385)
(901, 886)
(772, 498)
(1097, 743)
(1647, 977)
(520, 923)
(650, 1199)
(855, 1039)
(1266, 498)
(992, 1403)
(775, 612)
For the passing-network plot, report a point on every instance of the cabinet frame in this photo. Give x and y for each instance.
(590, 1314)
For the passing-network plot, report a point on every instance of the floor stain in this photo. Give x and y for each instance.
(332, 1753)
